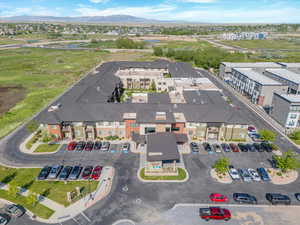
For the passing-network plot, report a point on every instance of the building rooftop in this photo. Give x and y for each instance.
(286, 74)
(290, 65)
(162, 146)
(254, 65)
(256, 76)
(289, 97)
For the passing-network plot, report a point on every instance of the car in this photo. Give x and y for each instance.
(75, 173)
(44, 173)
(273, 163)
(245, 175)
(233, 173)
(254, 175)
(214, 213)
(64, 174)
(255, 137)
(71, 146)
(250, 148)
(297, 196)
(3, 219)
(234, 147)
(242, 147)
(97, 145)
(266, 146)
(89, 146)
(54, 172)
(86, 174)
(217, 197)
(105, 146)
(225, 147)
(217, 148)
(96, 172)
(276, 198)
(258, 147)
(251, 130)
(244, 198)
(263, 174)
(14, 210)
(208, 148)
(194, 147)
(80, 146)
(125, 147)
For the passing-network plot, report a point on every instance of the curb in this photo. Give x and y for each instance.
(163, 181)
(124, 221)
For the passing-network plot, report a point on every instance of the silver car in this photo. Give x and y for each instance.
(3, 220)
(245, 175)
(54, 172)
(253, 173)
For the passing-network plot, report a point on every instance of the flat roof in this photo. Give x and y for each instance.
(286, 74)
(256, 76)
(255, 64)
(162, 146)
(289, 97)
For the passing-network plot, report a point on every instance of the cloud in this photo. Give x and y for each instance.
(99, 1)
(32, 11)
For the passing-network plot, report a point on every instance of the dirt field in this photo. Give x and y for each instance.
(10, 96)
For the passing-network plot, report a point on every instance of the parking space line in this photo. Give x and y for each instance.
(85, 216)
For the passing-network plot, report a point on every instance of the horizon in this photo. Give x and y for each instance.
(191, 11)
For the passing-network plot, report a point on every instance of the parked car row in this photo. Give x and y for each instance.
(11, 211)
(273, 198)
(59, 172)
(249, 174)
(96, 146)
(232, 147)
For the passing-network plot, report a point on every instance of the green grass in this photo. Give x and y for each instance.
(181, 176)
(46, 148)
(37, 209)
(297, 142)
(8, 41)
(54, 190)
(268, 44)
(184, 44)
(45, 73)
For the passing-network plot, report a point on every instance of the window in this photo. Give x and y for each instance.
(134, 125)
(293, 116)
(100, 132)
(53, 126)
(168, 129)
(175, 129)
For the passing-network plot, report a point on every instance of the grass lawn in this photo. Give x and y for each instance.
(297, 142)
(184, 44)
(268, 44)
(181, 176)
(8, 41)
(46, 148)
(55, 190)
(44, 73)
(38, 209)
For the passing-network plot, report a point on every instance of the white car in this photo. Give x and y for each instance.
(3, 220)
(253, 173)
(234, 173)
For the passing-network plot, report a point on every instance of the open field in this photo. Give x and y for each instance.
(184, 44)
(10, 96)
(265, 44)
(54, 190)
(47, 148)
(43, 74)
(8, 41)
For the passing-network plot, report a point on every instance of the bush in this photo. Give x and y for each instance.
(287, 162)
(267, 135)
(126, 43)
(221, 165)
(158, 51)
(32, 126)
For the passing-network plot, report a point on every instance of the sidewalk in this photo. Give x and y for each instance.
(63, 213)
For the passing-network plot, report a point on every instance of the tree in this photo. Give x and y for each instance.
(221, 165)
(288, 161)
(31, 198)
(32, 126)
(13, 190)
(158, 51)
(295, 135)
(153, 86)
(267, 135)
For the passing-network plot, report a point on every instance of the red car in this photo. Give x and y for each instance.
(96, 172)
(251, 129)
(214, 213)
(216, 197)
(86, 174)
(71, 146)
(234, 147)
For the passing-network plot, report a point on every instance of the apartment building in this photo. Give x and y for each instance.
(286, 110)
(255, 85)
(87, 111)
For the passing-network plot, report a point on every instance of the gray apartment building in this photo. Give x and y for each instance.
(286, 110)
(289, 77)
(255, 85)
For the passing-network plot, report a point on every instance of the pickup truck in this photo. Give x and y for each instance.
(214, 213)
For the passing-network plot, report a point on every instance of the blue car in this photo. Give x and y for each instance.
(263, 174)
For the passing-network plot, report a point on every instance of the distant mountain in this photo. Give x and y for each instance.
(86, 19)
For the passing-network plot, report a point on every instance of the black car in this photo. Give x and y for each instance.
(80, 146)
(89, 146)
(44, 173)
(194, 147)
(208, 147)
(65, 173)
(250, 148)
(266, 146)
(97, 145)
(276, 198)
(297, 196)
(225, 147)
(258, 147)
(75, 173)
(243, 147)
(244, 198)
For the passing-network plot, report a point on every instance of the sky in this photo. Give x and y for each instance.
(205, 11)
